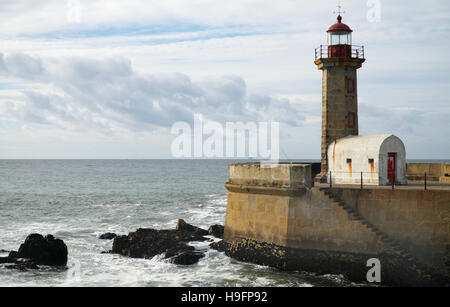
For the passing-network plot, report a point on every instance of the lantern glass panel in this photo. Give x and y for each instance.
(339, 38)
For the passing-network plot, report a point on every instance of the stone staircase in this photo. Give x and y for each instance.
(421, 268)
(355, 216)
(413, 263)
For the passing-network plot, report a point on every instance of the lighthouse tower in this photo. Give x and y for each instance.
(339, 61)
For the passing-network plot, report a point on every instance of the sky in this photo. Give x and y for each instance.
(107, 79)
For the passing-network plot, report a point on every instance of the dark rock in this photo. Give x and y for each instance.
(183, 254)
(107, 236)
(18, 264)
(3, 251)
(179, 249)
(37, 250)
(23, 266)
(147, 243)
(121, 245)
(7, 260)
(220, 246)
(216, 231)
(183, 226)
(187, 258)
(13, 254)
(43, 250)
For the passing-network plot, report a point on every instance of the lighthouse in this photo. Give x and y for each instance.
(339, 61)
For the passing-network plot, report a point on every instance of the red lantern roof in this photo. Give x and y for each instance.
(339, 26)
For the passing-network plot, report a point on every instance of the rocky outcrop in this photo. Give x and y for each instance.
(220, 246)
(107, 236)
(22, 265)
(184, 256)
(44, 250)
(37, 250)
(183, 226)
(147, 243)
(216, 231)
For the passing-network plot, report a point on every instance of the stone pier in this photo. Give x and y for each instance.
(275, 217)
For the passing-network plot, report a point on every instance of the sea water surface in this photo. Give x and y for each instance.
(77, 200)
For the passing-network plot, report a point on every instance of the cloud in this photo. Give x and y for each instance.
(109, 95)
(34, 16)
(239, 60)
(22, 66)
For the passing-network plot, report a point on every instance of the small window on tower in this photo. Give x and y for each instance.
(371, 161)
(349, 161)
(350, 85)
(351, 119)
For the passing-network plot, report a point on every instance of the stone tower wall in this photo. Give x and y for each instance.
(339, 102)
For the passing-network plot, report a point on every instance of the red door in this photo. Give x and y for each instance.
(392, 161)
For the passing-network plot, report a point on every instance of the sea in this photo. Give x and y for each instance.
(77, 200)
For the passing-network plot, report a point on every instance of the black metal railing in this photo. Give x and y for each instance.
(362, 179)
(354, 52)
(353, 178)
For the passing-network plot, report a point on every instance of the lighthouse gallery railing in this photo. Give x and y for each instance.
(323, 52)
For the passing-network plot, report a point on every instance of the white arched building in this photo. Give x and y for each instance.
(380, 158)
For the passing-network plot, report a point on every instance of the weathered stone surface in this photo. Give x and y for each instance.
(279, 175)
(373, 222)
(147, 243)
(339, 102)
(43, 250)
(414, 218)
(216, 231)
(436, 172)
(395, 271)
(107, 236)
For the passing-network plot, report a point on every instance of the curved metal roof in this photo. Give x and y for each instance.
(339, 26)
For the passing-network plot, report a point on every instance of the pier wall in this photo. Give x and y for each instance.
(436, 172)
(307, 220)
(292, 215)
(418, 220)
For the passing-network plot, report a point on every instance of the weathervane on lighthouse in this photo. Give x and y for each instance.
(339, 12)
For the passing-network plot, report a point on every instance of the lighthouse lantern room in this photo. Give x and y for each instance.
(339, 40)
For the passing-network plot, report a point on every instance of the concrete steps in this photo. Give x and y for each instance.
(355, 216)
